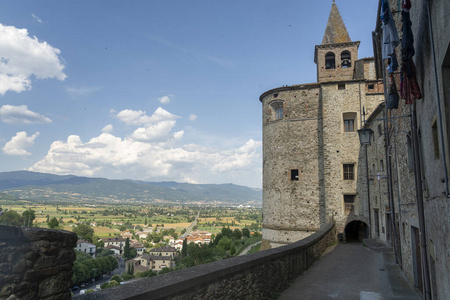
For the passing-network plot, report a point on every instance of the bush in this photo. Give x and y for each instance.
(89, 291)
(127, 277)
(116, 278)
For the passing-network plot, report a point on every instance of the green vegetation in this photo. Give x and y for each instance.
(86, 268)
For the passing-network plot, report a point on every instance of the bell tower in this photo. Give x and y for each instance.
(336, 56)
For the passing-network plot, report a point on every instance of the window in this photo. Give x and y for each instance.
(346, 59)
(330, 62)
(349, 125)
(381, 166)
(371, 86)
(349, 172)
(341, 86)
(349, 121)
(349, 204)
(294, 175)
(380, 130)
(277, 110)
(279, 113)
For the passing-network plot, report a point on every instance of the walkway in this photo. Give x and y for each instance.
(353, 271)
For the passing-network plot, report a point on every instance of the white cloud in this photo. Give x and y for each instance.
(153, 133)
(165, 99)
(20, 115)
(19, 142)
(139, 117)
(22, 57)
(37, 19)
(108, 128)
(153, 152)
(192, 117)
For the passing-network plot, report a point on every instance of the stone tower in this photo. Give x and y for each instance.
(310, 142)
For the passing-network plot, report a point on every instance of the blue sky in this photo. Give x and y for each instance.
(154, 90)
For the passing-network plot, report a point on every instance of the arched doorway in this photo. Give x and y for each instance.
(356, 231)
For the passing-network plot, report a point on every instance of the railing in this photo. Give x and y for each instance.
(260, 275)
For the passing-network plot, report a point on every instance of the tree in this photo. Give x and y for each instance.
(29, 217)
(224, 243)
(11, 218)
(246, 232)
(53, 223)
(126, 249)
(227, 232)
(232, 251)
(184, 249)
(84, 232)
(237, 234)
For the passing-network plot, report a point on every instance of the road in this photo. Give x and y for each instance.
(249, 247)
(188, 230)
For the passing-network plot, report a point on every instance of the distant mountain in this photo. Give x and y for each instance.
(50, 187)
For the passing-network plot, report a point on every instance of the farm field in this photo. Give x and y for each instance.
(111, 220)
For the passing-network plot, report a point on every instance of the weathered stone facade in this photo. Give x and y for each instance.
(432, 147)
(310, 137)
(35, 263)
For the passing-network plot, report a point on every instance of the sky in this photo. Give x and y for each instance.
(154, 90)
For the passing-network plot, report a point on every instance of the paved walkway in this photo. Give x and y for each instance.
(352, 271)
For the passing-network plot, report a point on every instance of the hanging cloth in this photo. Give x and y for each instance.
(409, 87)
(393, 98)
(390, 35)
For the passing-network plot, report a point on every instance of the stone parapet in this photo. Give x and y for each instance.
(35, 263)
(260, 275)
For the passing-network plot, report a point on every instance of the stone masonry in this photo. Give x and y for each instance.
(35, 263)
(306, 142)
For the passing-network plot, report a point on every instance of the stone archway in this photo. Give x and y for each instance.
(356, 231)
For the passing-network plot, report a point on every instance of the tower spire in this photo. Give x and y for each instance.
(336, 32)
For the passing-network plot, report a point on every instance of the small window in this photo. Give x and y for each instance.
(381, 166)
(330, 62)
(349, 121)
(349, 125)
(277, 110)
(294, 175)
(341, 86)
(371, 86)
(380, 130)
(346, 59)
(279, 113)
(349, 172)
(349, 204)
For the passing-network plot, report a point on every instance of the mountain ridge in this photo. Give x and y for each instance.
(50, 187)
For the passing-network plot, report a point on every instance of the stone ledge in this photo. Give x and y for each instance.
(203, 280)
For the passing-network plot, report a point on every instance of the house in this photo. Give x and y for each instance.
(151, 262)
(163, 251)
(117, 250)
(86, 247)
(138, 246)
(115, 241)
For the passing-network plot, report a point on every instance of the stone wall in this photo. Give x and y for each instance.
(259, 275)
(35, 263)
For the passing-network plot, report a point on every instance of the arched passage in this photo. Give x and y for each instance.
(356, 231)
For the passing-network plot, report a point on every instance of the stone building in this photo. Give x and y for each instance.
(311, 149)
(408, 183)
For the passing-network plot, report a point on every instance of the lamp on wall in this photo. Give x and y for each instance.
(365, 136)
